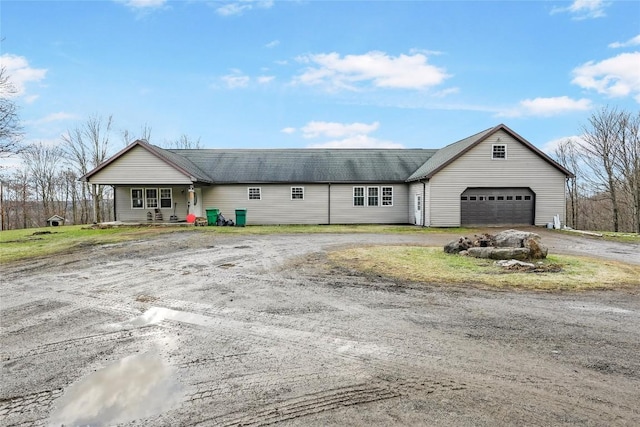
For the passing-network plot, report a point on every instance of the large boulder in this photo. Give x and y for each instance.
(456, 246)
(522, 239)
(499, 253)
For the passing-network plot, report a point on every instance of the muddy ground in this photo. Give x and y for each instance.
(201, 329)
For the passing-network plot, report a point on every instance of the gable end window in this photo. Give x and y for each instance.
(137, 198)
(358, 196)
(254, 193)
(297, 193)
(498, 151)
(387, 196)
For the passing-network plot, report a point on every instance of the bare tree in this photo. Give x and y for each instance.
(144, 134)
(86, 147)
(10, 128)
(43, 163)
(185, 142)
(567, 154)
(601, 143)
(627, 161)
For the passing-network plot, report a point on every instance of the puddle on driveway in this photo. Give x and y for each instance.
(136, 387)
(158, 314)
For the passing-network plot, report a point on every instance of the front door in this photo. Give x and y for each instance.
(195, 207)
(197, 203)
(418, 209)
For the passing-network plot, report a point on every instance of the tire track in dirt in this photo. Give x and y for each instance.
(89, 341)
(329, 400)
(28, 402)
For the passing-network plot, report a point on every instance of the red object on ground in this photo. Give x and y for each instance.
(191, 218)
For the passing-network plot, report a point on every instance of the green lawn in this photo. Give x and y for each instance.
(28, 243)
(432, 265)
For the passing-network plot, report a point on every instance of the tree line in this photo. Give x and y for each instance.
(604, 193)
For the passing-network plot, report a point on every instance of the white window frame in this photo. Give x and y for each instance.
(141, 198)
(297, 193)
(147, 199)
(161, 199)
(257, 190)
(359, 197)
(503, 153)
(377, 196)
(387, 200)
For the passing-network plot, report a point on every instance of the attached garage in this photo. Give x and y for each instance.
(497, 206)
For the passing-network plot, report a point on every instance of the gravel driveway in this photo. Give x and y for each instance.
(201, 329)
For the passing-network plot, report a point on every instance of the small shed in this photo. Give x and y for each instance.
(55, 221)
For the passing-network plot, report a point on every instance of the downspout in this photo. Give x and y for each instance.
(329, 204)
(424, 202)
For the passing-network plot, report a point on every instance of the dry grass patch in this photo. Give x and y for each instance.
(432, 265)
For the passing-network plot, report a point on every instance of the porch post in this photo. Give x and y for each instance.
(96, 204)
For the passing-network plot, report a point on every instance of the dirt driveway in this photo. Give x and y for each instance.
(193, 329)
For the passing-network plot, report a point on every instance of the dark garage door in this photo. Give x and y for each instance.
(497, 206)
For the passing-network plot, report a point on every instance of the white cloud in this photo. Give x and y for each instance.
(634, 41)
(337, 130)
(289, 130)
(265, 79)
(239, 7)
(56, 117)
(584, 9)
(236, 80)
(343, 135)
(376, 68)
(20, 73)
(357, 141)
(272, 44)
(548, 106)
(143, 4)
(615, 77)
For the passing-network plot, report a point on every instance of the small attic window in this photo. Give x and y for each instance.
(499, 151)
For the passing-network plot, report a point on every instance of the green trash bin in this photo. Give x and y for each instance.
(212, 216)
(241, 217)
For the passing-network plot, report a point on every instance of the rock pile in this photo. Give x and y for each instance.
(508, 244)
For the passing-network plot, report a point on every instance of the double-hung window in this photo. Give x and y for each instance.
(358, 196)
(137, 198)
(297, 193)
(254, 193)
(151, 195)
(498, 151)
(166, 199)
(373, 194)
(387, 196)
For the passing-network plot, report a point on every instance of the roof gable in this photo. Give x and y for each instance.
(451, 152)
(181, 164)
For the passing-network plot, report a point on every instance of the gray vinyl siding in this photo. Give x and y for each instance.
(139, 166)
(343, 211)
(521, 168)
(125, 213)
(276, 206)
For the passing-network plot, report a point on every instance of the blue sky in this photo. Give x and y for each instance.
(279, 74)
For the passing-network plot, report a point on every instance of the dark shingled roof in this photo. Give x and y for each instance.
(446, 155)
(218, 166)
(306, 165)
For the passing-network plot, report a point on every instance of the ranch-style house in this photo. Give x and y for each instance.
(494, 177)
